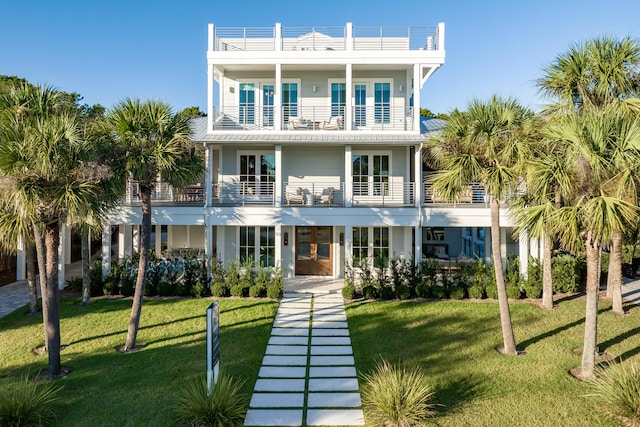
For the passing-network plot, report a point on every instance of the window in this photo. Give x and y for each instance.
(247, 103)
(360, 92)
(264, 253)
(382, 102)
(267, 105)
(370, 174)
(338, 96)
(289, 101)
(360, 246)
(257, 174)
(380, 247)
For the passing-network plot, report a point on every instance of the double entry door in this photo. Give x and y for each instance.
(314, 251)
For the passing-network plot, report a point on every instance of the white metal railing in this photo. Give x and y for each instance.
(473, 194)
(383, 193)
(326, 38)
(304, 118)
(163, 192)
(242, 193)
(319, 194)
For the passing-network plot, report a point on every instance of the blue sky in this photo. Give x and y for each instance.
(111, 49)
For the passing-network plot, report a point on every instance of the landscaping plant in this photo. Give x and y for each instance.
(28, 403)
(397, 396)
(617, 386)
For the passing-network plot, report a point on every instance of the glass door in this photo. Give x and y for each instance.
(360, 110)
(247, 103)
(314, 253)
(289, 101)
(267, 105)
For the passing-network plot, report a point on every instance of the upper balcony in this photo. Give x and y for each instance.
(278, 38)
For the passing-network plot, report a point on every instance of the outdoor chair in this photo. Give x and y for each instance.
(293, 194)
(298, 123)
(334, 123)
(326, 197)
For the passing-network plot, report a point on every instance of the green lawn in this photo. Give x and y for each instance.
(453, 341)
(455, 344)
(109, 388)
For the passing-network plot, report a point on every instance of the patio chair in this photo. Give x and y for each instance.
(334, 123)
(293, 194)
(298, 123)
(326, 197)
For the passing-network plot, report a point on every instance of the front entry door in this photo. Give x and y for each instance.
(314, 252)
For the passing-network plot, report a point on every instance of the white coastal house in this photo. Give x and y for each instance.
(313, 150)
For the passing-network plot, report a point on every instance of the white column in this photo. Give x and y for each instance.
(349, 41)
(211, 95)
(62, 253)
(503, 246)
(208, 175)
(21, 264)
(278, 37)
(158, 242)
(417, 162)
(348, 108)
(169, 238)
(277, 99)
(348, 245)
(279, 245)
(220, 255)
(135, 238)
(523, 253)
(106, 250)
(417, 232)
(416, 96)
(534, 248)
(278, 183)
(348, 176)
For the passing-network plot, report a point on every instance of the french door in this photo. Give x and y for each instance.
(314, 251)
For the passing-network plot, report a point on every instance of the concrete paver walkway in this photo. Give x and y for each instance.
(308, 377)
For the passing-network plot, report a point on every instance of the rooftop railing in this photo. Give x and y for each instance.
(326, 38)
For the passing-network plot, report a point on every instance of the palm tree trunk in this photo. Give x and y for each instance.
(86, 257)
(38, 239)
(614, 279)
(31, 278)
(591, 311)
(547, 281)
(145, 241)
(509, 347)
(51, 299)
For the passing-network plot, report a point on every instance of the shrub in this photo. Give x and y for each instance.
(456, 292)
(476, 292)
(439, 292)
(258, 291)
(513, 292)
(403, 292)
(348, 292)
(225, 406)
(369, 292)
(386, 292)
(28, 403)
(618, 387)
(248, 278)
(220, 290)
(231, 277)
(239, 291)
(532, 289)
(423, 290)
(275, 291)
(165, 288)
(183, 289)
(565, 272)
(263, 277)
(492, 291)
(74, 285)
(95, 278)
(397, 396)
(110, 286)
(127, 285)
(198, 290)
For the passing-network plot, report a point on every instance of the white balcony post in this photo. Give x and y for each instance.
(503, 247)
(416, 97)
(534, 248)
(278, 254)
(349, 38)
(63, 255)
(418, 244)
(523, 253)
(278, 184)
(277, 99)
(211, 38)
(348, 177)
(208, 175)
(348, 245)
(106, 250)
(348, 113)
(210, 96)
(278, 37)
(21, 260)
(417, 184)
(441, 36)
(220, 249)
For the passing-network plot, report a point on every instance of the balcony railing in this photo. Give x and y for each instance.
(165, 193)
(383, 194)
(473, 195)
(326, 38)
(307, 118)
(243, 193)
(318, 194)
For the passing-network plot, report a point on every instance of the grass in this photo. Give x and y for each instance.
(454, 343)
(110, 388)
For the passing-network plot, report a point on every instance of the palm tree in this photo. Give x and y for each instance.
(600, 72)
(601, 145)
(153, 143)
(486, 144)
(46, 177)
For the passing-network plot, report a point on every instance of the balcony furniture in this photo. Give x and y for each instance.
(293, 194)
(326, 197)
(298, 123)
(334, 123)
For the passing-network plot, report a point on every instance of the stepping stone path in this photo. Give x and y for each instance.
(307, 376)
